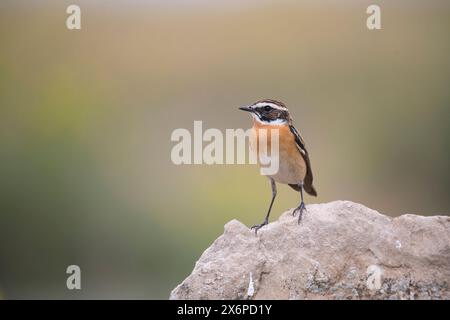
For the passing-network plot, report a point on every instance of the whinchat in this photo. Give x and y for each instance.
(294, 164)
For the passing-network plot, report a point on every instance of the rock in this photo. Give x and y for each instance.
(340, 250)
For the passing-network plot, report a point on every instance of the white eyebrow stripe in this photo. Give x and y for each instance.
(273, 105)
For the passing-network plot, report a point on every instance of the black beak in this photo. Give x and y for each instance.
(248, 109)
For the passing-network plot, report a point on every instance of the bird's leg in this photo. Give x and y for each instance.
(266, 220)
(301, 207)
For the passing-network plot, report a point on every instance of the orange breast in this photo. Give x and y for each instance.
(292, 167)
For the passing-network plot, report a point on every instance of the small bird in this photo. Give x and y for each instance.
(294, 164)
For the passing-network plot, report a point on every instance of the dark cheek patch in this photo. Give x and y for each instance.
(268, 116)
(281, 115)
(272, 115)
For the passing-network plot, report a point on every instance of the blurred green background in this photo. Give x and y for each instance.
(86, 118)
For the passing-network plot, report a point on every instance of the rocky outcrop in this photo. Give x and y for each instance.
(340, 250)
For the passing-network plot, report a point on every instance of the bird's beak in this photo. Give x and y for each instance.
(246, 108)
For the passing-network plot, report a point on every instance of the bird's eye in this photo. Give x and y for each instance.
(267, 108)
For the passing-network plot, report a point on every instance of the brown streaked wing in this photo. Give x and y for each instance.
(308, 183)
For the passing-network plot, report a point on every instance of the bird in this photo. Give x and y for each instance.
(294, 163)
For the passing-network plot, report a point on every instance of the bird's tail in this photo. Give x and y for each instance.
(310, 190)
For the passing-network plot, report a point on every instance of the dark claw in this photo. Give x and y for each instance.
(300, 208)
(259, 226)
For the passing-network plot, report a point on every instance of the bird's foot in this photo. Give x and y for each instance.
(259, 226)
(300, 209)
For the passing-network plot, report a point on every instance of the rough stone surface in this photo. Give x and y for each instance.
(340, 250)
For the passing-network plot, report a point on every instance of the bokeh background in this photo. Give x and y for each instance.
(86, 118)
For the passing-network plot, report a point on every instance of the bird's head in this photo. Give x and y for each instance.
(269, 112)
